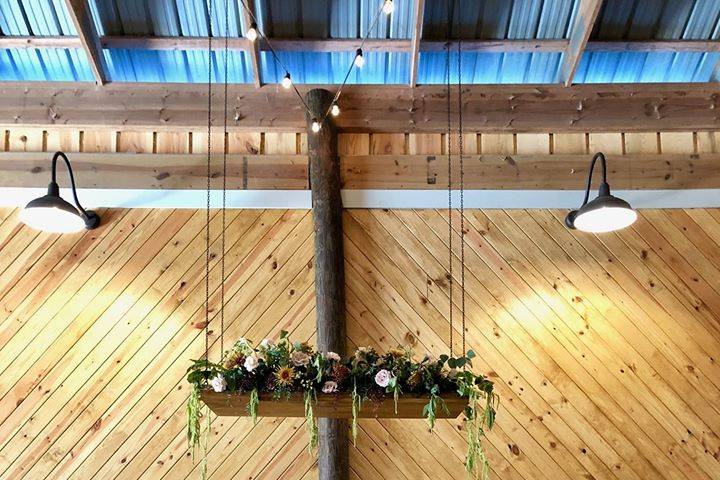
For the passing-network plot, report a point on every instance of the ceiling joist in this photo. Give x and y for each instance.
(579, 34)
(418, 13)
(88, 37)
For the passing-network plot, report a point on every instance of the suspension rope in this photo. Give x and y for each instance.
(209, 173)
(449, 160)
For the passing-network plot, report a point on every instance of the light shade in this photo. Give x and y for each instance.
(604, 214)
(50, 213)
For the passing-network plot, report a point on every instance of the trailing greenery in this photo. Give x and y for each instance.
(283, 369)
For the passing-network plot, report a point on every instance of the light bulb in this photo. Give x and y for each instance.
(252, 33)
(388, 7)
(286, 82)
(315, 126)
(359, 59)
(335, 110)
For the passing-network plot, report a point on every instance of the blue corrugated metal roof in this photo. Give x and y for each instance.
(646, 20)
(471, 19)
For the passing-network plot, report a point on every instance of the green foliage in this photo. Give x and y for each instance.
(252, 406)
(356, 405)
(194, 415)
(311, 399)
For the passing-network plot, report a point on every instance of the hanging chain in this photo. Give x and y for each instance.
(449, 159)
(224, 188)
(207, 209)
(462, 194)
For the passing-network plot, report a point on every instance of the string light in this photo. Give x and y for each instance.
(359, 59)
(335, 110)
(388, 7)
(286, 82)
(252, 33)
(315, 126)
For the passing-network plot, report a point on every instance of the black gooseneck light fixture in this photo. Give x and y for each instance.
(51, 213)
(603, 214)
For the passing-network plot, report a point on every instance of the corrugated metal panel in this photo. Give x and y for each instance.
(652, 19)
(188, 18)
(497, 19)
(42, 18)
(514, 67)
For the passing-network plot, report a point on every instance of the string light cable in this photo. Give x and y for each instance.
(386, 6)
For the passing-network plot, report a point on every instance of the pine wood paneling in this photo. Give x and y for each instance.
(604, 348)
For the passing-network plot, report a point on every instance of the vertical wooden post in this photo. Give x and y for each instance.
(333, 463)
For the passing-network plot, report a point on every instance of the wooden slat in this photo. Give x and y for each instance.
(253, 50)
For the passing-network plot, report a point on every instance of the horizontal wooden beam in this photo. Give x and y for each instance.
(367, 108)
(370, 172)
(351, 44)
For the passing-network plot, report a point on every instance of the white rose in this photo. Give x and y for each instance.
(330, 387)
(251, 362)
(265, 343)
(218, 383)
(332, 356)
(299, 358)
(382, 378)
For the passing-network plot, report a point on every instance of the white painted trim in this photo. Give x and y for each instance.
(301, 199)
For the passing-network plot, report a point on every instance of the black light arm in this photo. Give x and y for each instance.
(604, 187)
(54, 189)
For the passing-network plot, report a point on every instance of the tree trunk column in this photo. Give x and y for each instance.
(329, 270)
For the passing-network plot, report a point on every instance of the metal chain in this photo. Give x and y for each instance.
(207, 209)
(224, 188)
(462, 194)
(449, 159)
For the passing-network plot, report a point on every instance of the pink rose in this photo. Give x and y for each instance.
(382, 378)
(330, 387)
(332, 356)
(299, 359)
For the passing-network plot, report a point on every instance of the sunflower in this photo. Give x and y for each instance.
(234, 359)
(285, 376)
(397, 352)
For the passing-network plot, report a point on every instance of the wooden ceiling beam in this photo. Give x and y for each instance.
(251, 47)
(418, 16)
(79, 12)
(585, 18)
(350, 45)
(367, 108)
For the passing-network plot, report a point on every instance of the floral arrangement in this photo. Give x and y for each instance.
(285, 368)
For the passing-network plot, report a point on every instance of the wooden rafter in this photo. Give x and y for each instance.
(418, 14)
(88, 36)
(579, 35)
(350, 44)
(253, 49)
(367, 108)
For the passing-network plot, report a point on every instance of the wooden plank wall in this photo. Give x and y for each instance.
(604, 349)
(272, 160)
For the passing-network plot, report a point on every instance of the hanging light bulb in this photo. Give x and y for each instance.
(315, 127)
(252, 33)
(359, 59)
(286, 82)
(335, 110)
(388, 7)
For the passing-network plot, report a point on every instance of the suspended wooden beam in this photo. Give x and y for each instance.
(79, 12)
(418, 15)
(351, 44)
(328, 406)
(252, 48)
(579, 33)
(333, 456)
(369, 108)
